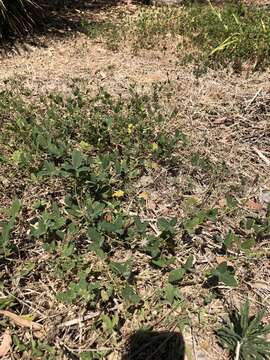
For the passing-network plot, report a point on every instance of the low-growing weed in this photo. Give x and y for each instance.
(245, 335)
(8, 225)
(85, 229)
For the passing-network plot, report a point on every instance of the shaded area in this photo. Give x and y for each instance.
(56, 19)
(63, 17)
(155, 345)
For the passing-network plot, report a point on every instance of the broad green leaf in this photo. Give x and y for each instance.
(67, 297)
(117, 226)
(229, 239)
(228, 279)
(163, 224)
(16, 156)
(85, 146)
(176, 275)
(109, 323)
(5, 233)
(122, 268)
(248, 244)
(129, 294)
(140, 226)
(97, 249)
(153, 246)
(48, 169)
(77, 159)
(192, 224)
(169, 293)
(108, 227)
(189, 263)
(162, 262)
(39, 229)
(212, 215)
(225, 274)
(95, 236)
(15, 208)
(67, 249)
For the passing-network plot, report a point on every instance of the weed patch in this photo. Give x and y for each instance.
(80, 233)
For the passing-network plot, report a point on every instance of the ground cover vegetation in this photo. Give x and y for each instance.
(145, 209)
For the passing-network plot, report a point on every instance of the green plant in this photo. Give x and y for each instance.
(93, 228)
(178, 274)
(244, 335)
(225, 274)
(192, 224)
(7, 226)
(229, 34)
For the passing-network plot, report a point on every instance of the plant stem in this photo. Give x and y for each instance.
(237, 351)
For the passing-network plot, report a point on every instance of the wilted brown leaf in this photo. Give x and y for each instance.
(151, 205)
(253, 205)
(18, 320)
(221, 259)
(113, 356)
(222, 203)
(108, 217)
(260, 284)
(144, 195)
(5, 344)
(265, 197)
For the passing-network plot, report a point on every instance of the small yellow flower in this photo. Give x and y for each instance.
(130, 128)
(154, 146)
(118, 193)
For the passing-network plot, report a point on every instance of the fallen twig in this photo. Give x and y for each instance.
(5, 344)
(79, 320)
(262, 156)
(19, 320)
(254, 97)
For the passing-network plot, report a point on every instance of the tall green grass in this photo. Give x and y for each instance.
(232, 34)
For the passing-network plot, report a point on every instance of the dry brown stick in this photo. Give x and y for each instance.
(79, 320)
(262, 156)
(254, 97)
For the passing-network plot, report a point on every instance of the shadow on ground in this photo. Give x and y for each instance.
(155, 345)
(64, 17)
(57, 19)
